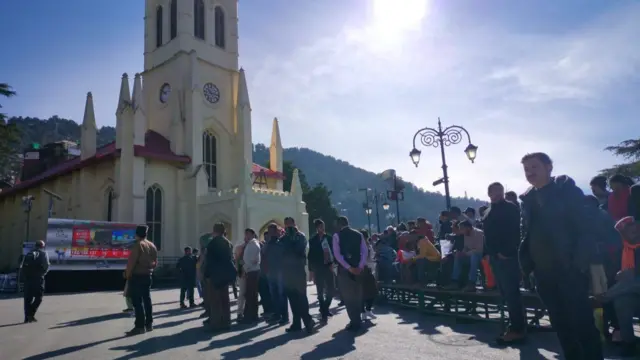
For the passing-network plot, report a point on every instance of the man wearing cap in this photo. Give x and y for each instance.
(143, 258)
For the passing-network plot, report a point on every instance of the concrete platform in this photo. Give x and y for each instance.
(91, 326)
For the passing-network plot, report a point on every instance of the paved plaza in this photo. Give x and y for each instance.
(91, 326)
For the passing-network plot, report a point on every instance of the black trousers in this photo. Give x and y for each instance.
(187, 289)
(140, 292)
(265, 294)
(296, 291)
(565, 293)
(325, 287)
(33, 293)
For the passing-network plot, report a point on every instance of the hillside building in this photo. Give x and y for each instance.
(182, 157)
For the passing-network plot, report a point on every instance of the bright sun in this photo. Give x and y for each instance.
(396, 16)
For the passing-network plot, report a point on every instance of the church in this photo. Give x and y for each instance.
(182, 157)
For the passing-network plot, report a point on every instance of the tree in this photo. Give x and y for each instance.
(317, 198)
(630, 151)
(9, 141)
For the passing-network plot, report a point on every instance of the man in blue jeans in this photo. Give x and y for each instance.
(273, 254)
(471, 253)
(501, 223)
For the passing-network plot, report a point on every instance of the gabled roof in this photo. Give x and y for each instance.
(156, 147)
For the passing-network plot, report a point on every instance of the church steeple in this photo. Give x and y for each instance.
(275, 152)
(88, 137)
(212, 31)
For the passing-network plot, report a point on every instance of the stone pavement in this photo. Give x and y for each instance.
(91, 326)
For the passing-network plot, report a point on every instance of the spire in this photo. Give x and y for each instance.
(124, 100)
(275, 149)
(296, 186)
(139, 116)
(243, 90)
(138, 102)
(88, 136)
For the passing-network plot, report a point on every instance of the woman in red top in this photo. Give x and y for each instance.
(619, 205)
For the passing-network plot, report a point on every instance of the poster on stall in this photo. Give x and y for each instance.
(84, 245)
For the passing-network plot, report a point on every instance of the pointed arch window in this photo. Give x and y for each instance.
(173, 19)
(198, 19)
(109, 203)
(154, 215)
(218, 15)
(159, 21)
(210, 158)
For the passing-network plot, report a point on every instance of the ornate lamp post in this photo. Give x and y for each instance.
(440, 138)
(368, 211)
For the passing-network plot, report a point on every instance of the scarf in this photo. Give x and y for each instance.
(628, 249)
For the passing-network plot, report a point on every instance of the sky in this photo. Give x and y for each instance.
(356, 79)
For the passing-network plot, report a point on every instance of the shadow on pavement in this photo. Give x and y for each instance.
(341, 343)
(154, 345)
(68, 350)
(244, 336)
(119, 315)
(259, 348)
(10, 325)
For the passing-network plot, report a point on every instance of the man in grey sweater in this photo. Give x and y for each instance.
(471, 253)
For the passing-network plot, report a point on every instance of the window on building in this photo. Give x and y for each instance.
(218, 16)
(210, 158)
(173, 21)
(154, 215)
(109, 202)
(198, 19)
(159, 19)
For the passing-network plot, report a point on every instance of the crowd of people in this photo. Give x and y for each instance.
(577, 251)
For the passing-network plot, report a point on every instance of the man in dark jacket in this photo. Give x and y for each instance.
(294, 262)
(559, 246)
(34, 267)
(502, 237)
(273, 256)
(187, 268)
(320, 260)
(350, 251)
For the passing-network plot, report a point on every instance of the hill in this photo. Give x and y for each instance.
(342, 178)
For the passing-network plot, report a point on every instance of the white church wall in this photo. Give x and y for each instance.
(163, 175)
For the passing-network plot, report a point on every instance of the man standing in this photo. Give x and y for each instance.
(559, 245)
(187, 268)
(294, 261)
(143, 258)
(251, 266)
(34, 267)
(502, 237)
(350, 251)
(320, 261)
(220, 271)
(599, 190)
(273, 255)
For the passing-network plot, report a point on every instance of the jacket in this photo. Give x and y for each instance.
(187, 265)
(220, 266)
(570, 224)
(294, 257)
(501, 224)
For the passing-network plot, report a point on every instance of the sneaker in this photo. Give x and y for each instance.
(127, 310)
(149, 328)
(293, 328)
(183, 306)
(370, 315)
(135, 331)
(309, 326)
(192, 305)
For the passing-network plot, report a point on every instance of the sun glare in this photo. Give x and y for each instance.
(398, 15)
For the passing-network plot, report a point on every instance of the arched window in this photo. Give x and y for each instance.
(154, 215)
(159, 19)
(109, 198)
(210, 158)
(218, 16)
(198, 19)
(173, 21)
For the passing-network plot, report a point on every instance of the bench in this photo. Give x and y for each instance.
(478, 306)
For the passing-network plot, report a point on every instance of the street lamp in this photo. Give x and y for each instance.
(368, 211)
(440, 138)
(27, 205)
(385, 206)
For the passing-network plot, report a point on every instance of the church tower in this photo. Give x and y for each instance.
(193, 85)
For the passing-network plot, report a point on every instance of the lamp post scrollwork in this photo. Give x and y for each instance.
(441, 138)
